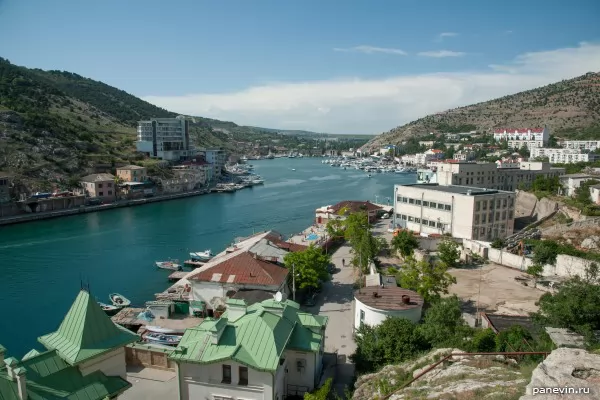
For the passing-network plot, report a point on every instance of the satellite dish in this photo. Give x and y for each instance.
(278, 296)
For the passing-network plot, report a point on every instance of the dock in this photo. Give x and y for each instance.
(193, 264)
(128, 317)
(177, 275)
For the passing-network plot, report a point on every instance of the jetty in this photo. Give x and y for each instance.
(193, 264)
(177, 275)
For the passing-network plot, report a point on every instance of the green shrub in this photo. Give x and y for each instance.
(484, 340)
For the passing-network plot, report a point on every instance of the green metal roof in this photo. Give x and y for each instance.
(236, 302)
(30, 353)
(256, 339)
(86, 332)
(49, 377)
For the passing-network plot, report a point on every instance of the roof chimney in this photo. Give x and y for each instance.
(405, 299)
(11, 364)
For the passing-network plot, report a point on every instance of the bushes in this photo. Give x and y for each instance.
(484, 341)
(323, 393)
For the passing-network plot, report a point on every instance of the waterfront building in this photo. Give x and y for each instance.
(488, 175)
(381, 298)
(464, 212)
(571, 182)
(165, 138)
(580, 144)
(85, 358)
(338, 211)
(217, 158)
(517, 138)
(101, 186)
(267, 351)
(132, 173)
(196, 170)
(565, 155)
(5, 180)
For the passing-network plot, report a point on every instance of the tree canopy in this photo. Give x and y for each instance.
(405, 243)
(309, 266)
(448, 253)
(430, 280)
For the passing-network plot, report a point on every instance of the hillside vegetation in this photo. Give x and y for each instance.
(570, 108)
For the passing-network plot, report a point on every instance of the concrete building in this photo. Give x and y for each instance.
(327, 213)
(132, 173)
(564, 156)
(5, 180)
(85, 358)
(381, 298)
(165, 138)
(427, 143)
(517, 138)
(217, 158)
(267, 351)
(571, 182)
(101, 186)
(196, 170)
(595, 194)
(488, 175)
(464, 212)
(580, 144)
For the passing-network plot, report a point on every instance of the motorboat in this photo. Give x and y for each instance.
(107, 308)
(202, 255)
(119, 300)
(161, 338)
(368, 176)
(168, 331)
(293, 169)
(170, 265)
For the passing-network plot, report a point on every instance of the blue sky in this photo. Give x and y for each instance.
(336, 66)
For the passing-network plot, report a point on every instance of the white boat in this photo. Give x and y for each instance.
(119, 300)
(170, 265)
(161, 338)
(109, 309)
(160, 329)
(202, 255)
(293, 169)
(369, 175)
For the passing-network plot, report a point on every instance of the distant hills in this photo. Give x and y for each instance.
(570, 108)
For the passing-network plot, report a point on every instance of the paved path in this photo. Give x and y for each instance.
(149, 383)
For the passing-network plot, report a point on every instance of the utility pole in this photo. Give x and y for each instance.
(294, 282)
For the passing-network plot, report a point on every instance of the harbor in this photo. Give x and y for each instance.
(116, 251)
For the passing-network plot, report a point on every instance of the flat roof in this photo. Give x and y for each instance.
(464, 190)
(388, 298)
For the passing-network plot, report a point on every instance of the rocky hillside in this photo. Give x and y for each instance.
(55, 126)
(569, 108)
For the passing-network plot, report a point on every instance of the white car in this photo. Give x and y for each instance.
(385, 216)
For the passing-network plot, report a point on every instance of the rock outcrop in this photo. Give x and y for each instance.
(563, 370)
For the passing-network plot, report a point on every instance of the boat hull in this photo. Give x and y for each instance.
(119, 300)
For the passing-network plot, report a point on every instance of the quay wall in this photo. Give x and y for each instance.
(87, 209)
(142, 355)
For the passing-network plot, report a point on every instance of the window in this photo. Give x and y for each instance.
(440, 225)
(243, 376)
(440, 206)
(226, 374)
(476, 219)
(411, 201)
(425, 204)
(99, 186)
(110, 192)
(100, 193)
(403, 217)
(448, 207)
(433, 204)
(418, 202)
(432, 223)
(362, 316)
(411, 219)
(477, 206)
(399, 199)
(484, 204)
(109, 185)
(417, 220)
(404, 200)
(483, 218)
(398, 216)
(503, 215)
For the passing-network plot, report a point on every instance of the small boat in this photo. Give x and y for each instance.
(107, 308)
(170, 265)
(160, 329)
(161, 338)
(119, 300)
(368, 176)
(202, 255)
(293, 169)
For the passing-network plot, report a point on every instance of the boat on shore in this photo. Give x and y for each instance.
(161, 338)
(168, 331)
(170, 265)
(205, 255)
(119, 300)
(108, 309)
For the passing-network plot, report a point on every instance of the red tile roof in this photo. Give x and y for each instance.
(436, 151)
(355, 206)
(243, 269)
(282, 244)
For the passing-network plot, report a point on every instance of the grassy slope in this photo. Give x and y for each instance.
(569, 108)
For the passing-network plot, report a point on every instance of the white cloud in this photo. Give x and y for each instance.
(376, 105)
(371, 50)
(444, 35)
(441, 53)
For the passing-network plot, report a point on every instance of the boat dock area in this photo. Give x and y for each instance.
(128, 317)
(193, 264)
(177, 275)
(316, 235)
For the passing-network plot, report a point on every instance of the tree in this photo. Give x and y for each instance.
(309, 266)
(582, 193)
(545, 252)
(429, 280)
(484, 340)
(523, 151)
(443, 325)
(498, 244)
(448, 253)
(335, 228)
(405, 243)
(323, 393)
(515, 338)
(357, 232)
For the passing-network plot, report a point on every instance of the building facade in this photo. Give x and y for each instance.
(101, 186)
(580, 144)
(4, 187)
(564, 156)
(165, 138)
(571, 182)
(464, 212)
(517, 138)
(132, 173)
(488, 175)
(217, 158)
(196, 170)
(267, 351)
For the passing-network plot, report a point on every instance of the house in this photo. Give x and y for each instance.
(196, 170)
(85, 358)
(326, 213)
(266, 351)
(132, 173)
(381, 298)
(101, 186)
(570, 182)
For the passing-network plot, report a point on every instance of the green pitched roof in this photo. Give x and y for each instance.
(50, 378)
(256, 339)
(30, 353)
(86, 332)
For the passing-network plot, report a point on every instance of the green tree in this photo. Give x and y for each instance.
(405, 243)
(430, 280)
(323, 393)
(484, 340)
(545, 252)
(448, 253)
(357, 232)
(443, 325)
(582, 193)
(335, 228)
(309, 266)
(515, 338)
(498, 244)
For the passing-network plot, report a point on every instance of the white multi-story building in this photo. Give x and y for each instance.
(217, 158)
(165, 138)
(488, 175)
(564, 156)
(517, 138)
(423, 158)
(465, 212)
(581, 144)
(571, 182)
(427, 143)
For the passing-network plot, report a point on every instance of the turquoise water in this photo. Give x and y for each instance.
(42, 263)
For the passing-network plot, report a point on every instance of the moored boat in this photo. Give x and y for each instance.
(170, 265)
(119, 300)
(107, 308)
(202, 255)
(160, 329)
(161, 338)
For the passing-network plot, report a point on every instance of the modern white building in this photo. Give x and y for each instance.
(381, 298)
(423, 158)
(216, 157)
(580, 144)
(464, 212)
(517, 138)
(488, 175)
(267, 351)
(564, 156)
(571, 182)
(165, 138)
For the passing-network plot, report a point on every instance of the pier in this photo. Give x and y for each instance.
(177, 275)
(193, 264)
